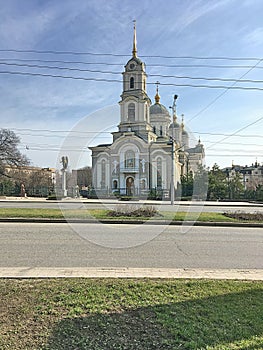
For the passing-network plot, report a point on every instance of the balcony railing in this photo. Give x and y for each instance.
(125, 169)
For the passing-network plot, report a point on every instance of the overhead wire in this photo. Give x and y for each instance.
(118, 73)
(125, 55)
(109, 132)
(233, 86)
(120, 81)
(224, 92)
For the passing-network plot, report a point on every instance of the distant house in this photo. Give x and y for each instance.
(251, 176)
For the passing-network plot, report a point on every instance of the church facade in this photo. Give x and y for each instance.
(150, 151)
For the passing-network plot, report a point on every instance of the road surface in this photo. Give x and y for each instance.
(98, 245)
(218, 207)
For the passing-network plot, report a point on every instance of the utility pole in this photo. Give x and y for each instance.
(173, 107)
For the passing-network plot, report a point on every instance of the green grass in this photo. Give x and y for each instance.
(105, 314)
(102, 214)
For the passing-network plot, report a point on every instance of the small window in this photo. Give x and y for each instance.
(103, 174)
(131, 112)
(159, 172)
(132, 83)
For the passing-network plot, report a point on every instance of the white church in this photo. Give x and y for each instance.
(150, 151)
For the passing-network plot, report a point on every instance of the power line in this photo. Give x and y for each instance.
(109, 132)
(233, 155)
(224, 92)
(59, 68)
(208, 79)
(119, 73)
(235, 143)
(125, 55)
(120, 81)
(121, 64)
(236, 132)
(60, 76)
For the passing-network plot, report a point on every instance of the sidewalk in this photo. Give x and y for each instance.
(130, 272)
(116, 201)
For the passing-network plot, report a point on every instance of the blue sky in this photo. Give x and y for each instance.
(43, 111)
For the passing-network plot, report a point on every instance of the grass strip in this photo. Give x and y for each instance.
(102, 214)
(105, 314)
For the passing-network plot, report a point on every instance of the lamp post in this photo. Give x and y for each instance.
(173, 107)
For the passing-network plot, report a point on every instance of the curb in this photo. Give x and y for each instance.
(131, 222)
(129, 272)
(146, 202)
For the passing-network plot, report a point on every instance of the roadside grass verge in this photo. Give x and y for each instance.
(104, 214)
(110, 314)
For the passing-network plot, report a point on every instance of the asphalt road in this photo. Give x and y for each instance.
(137, 246)
(110, 204)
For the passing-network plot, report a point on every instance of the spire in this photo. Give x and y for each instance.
(157, 96)
(134, 49)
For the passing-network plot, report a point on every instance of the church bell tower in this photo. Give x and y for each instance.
(135, 103)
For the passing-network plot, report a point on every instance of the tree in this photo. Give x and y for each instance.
(84, 177)
(9, 156)
(217, 183)
(235, 186)
(187, 181)
(200, 183)
(9, 152)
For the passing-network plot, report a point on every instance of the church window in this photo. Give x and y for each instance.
(131, 112)
(159, 172)
(115, 184)
(154, 129)
(143, 184)
(131, 83)
(161, 130)
(103, 174)
(129, 159)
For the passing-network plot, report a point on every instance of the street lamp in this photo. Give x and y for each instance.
(173, 107)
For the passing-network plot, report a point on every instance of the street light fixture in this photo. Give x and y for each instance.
(173, 107)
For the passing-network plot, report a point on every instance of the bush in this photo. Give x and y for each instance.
(239, 215)
(133, 211)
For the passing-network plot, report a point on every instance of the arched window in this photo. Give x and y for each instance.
(115, 184)
(143, 184)
(154, 129)
(103, 174)
(129, 159)
(161, 130)
(131, 83)
(131, 112)
(159, 172)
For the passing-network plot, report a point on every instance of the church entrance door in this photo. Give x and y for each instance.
(130, 186)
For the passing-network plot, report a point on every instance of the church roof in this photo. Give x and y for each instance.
(158, 108)
(174, 125)
(134, 59)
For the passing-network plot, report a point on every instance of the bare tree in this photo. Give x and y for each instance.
(9, 152)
